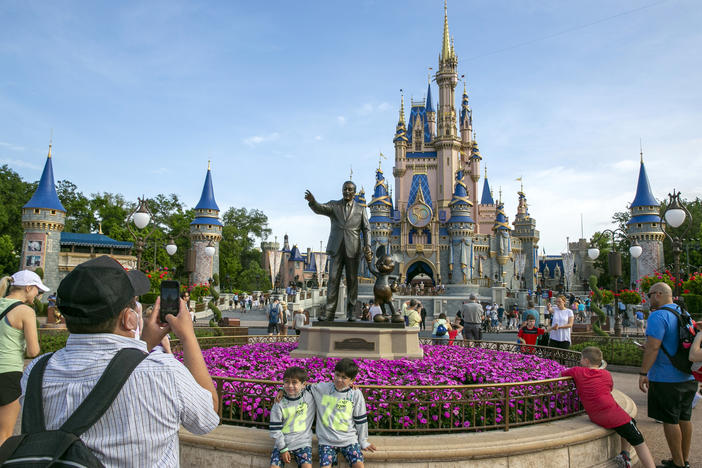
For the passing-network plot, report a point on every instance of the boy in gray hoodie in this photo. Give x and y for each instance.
(342, 424)
(291, 421)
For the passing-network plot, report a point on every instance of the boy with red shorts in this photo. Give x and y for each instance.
(594, 386)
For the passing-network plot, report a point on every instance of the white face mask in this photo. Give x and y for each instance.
(137, 331)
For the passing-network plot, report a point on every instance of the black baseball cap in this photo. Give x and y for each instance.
(98, 290)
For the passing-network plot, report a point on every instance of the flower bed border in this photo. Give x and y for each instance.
(475, 407)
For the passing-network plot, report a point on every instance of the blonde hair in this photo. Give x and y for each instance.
(593, 354)
(6, 286)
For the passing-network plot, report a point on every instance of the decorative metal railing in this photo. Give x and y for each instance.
(395, 409)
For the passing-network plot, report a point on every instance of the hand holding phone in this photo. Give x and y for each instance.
(170, 299)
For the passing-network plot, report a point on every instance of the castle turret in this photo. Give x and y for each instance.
(43, 219)
(466, 122)
(446, 144)
(525, 231)
(645, 227)
(401, 142)
(502, 240)
(205, 233)
(381, 211)
(487, 209)
(360, 198)
(460, 228)
(474, 172)
(431, 112)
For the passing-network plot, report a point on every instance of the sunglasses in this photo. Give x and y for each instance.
(652, 293)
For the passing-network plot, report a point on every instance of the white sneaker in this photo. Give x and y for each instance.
(696, 399)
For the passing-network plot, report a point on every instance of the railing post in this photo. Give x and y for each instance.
(506, 410)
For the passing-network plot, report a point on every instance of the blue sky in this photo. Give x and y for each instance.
(284, 96)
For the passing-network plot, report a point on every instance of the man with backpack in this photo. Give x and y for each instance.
(103, 396)
(666, 372)
(274, 317)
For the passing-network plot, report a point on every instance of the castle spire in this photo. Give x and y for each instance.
(486, 199)
(207, 199)
(45, 195)
(446, 50)
(429, 105)
(644, 195)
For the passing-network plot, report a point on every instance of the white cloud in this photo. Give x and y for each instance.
(318, 138)
(258, 139)
(19, 163)
(11, 146)
(626, 165)
(341, 120)
(160, 171)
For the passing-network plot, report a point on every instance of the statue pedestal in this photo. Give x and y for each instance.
(359, 341)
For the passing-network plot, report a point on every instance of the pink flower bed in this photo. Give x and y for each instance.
(402, 408)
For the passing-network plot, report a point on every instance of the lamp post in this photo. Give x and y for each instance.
(140, 217)
(675, 215)
(614, 261)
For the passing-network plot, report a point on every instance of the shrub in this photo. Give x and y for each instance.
(597, 298)
(693, 285)
(693, 304)
(628, 296)
(40, 308)
(50, 342)
(149, 298)
(647, 281)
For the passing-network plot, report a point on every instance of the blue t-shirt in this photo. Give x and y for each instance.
(663, 325)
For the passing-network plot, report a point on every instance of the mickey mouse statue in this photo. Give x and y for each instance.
(383, 289)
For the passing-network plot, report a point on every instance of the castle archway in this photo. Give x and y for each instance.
(420, 267)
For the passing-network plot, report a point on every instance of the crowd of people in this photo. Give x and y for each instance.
(98, 301)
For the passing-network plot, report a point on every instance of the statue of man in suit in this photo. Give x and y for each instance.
(348, 220)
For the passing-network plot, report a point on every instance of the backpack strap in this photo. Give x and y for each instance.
(9, 308)
(105, 391)
(679, 317)
(33, 408)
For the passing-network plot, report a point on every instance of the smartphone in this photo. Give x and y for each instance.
(170, 299)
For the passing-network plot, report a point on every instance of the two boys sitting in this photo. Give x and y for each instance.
(342, 423)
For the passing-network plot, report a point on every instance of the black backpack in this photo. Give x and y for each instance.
(36, 447)
(686, 335)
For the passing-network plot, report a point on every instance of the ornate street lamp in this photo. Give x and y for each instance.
(675, 215)
(614, 262)
(210, 249)
(140, 217)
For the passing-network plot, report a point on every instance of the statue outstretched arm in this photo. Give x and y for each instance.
(322, 209)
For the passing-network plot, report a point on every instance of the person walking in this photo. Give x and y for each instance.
(472, 314)
(423, 315)
(670, 391)
(18, 337)
(562, 319)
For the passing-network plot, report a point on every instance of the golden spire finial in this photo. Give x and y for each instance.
(500, 191)
(380, 159)
(464, 86)
(351, 173)
(402, 106)
(100, 228)
(208, 164)
(446, 46)
(51, 141)
(486, 172)
(641, 149)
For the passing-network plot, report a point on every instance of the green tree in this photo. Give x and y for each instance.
(239, 259)
(14, 194)
(691, 257)
(79, 215)
(9, 257)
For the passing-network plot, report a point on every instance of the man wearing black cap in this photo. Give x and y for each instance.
(141, 426)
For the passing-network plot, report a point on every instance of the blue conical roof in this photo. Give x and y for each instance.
(381, 196)
(45, 195)
(501, 221)
(295, 255)
(644, 195)
(207, 199)
(466, 113)
(360, 198)
(486, 199)
(430, 105)
(460, 193)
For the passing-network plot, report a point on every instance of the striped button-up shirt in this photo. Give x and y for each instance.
(140, 429)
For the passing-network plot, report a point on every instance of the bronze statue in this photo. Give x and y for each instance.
(383, 289)
(348, 221)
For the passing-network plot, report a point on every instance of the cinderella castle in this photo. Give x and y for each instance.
(436, 224)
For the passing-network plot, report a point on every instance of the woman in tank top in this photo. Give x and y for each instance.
(18, 337)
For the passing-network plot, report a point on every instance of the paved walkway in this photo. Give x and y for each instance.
(653, 431)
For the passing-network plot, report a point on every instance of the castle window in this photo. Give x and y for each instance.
(654, 224)
(447, 160)
(638, 225)
(36, 210)
(53, 212)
